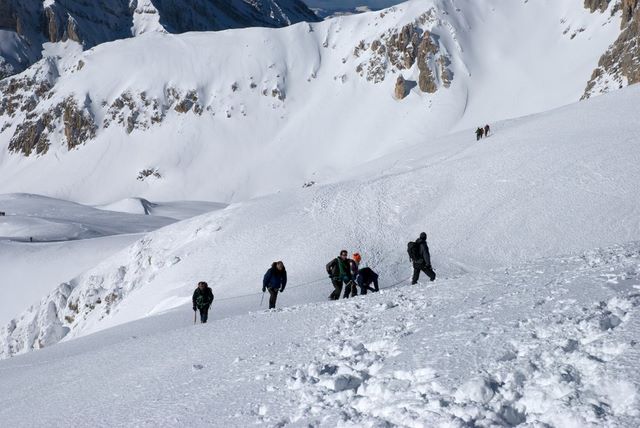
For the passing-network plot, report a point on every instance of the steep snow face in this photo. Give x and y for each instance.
(29, 23)
(555, 183)
(231, 115)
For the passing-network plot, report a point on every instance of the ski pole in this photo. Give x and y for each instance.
(262, 299)
(194, 317)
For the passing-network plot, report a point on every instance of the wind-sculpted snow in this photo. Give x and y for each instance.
(151, 115)
(539, 186)
(552, 342)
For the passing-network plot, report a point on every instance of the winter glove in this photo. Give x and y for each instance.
(194, 309)
(264, 289)
(282, 290)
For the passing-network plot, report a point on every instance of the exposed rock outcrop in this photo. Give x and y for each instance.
(8, 17)
(79, 126)
(594, 5)
(403, 49)
(426, 50)
(32, 136)
(401, 88)
(620, 64)
(629, 11)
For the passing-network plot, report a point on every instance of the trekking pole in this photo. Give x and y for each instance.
(262, 299)
(194, 317)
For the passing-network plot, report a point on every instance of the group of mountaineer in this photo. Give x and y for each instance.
(344, 273)
(482, 132)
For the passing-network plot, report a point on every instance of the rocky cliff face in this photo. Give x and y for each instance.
(92, 22)
(594, 5)
(620, 65)
(411, 49)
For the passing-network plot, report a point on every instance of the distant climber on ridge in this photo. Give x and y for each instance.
(421, 259)
(202, 300)
(486, 130)
(479, 133)
(275, 280)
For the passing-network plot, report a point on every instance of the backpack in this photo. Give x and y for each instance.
(413, 250)
(202, 301)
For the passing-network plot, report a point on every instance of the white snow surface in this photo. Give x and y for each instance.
(47, 219)
(550, 343)
(177, 210)
(553, 183)
(534, 232)
(326, 120)
(44, 241)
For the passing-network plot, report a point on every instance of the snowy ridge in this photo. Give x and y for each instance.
(551, 342)
(27, 24)
(553, 170)
(191, 100)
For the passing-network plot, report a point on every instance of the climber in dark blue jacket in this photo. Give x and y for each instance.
(275, 279)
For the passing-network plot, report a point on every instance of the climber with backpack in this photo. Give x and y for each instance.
(202, 300)
(275, 280)
(421, 259)
(339, 271)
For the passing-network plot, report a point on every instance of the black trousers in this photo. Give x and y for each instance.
(204, 314)
(417, 268)
(350, 288)
(366, 286)
(337, 289)
(273, 296)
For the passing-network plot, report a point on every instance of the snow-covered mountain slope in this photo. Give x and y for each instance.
(47, 219)
(26, 24)
(44, 241)
(550, 343)
(558, 182)
(32, 270)
(235, 114)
